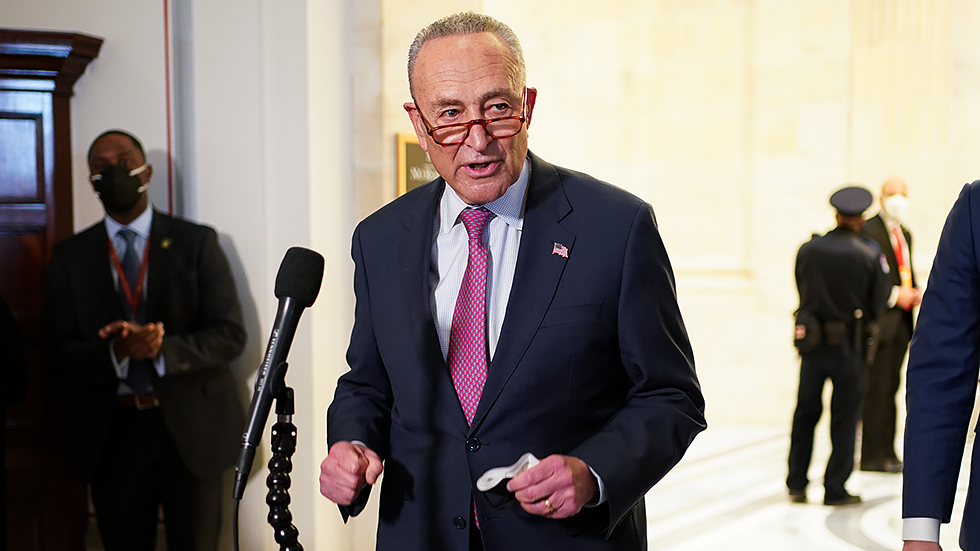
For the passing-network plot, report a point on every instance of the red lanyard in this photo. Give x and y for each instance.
(133, 298)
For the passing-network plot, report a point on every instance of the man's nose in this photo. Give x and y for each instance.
(478, 138)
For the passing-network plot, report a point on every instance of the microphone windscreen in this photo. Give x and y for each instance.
(300, 275)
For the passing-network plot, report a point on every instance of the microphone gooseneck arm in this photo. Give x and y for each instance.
(280, 465)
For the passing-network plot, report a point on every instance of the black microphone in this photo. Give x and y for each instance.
(297, 285)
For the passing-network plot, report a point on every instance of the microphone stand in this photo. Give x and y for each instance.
(281, 464)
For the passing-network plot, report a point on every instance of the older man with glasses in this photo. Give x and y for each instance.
(519, 368)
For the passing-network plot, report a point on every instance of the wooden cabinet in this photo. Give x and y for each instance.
(46, 508)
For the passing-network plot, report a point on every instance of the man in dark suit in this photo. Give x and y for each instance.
(510, 306)
(942, 386)
(894, 330)
(842, 289)
(142, 318)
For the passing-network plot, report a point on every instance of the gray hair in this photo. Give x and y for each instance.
(469, 23)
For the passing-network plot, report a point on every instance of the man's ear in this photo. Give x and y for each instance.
(532, 96)
(148, 174)
(417, 124)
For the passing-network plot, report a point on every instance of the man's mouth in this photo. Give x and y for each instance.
(482, 170)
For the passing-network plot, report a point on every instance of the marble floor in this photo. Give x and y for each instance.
(729, 493)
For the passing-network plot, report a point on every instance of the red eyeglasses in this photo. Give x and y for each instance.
(455, 134)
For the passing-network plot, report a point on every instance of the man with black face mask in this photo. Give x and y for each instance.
(142, 319)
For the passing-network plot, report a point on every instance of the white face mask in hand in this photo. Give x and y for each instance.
(497, 475)
(896, 206)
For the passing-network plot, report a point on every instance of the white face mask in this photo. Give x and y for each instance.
(896, 206)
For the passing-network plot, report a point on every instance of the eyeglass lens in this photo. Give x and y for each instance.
(498, 129)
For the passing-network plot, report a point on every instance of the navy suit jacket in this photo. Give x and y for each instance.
(191, 290)
(593, 361)
(942, 376)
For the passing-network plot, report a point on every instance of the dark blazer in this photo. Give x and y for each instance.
(942, 376)
(593, 361)
(876, 229)
(838, 273)
(191, 290)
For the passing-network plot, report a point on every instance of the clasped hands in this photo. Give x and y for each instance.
(557, 487)
(132, 340)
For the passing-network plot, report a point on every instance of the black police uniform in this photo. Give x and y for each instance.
(843, 288)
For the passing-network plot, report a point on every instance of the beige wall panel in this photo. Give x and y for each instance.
(964, 103)
(901, 122)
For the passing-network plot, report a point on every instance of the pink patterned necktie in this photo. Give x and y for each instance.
(467, 357)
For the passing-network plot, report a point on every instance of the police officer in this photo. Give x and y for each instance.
(843, 289)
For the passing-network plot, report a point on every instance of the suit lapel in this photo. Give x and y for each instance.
(536, 277)
(415, 261)
(876, 229)
(161, 244)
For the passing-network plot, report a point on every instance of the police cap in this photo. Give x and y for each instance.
(851, 200)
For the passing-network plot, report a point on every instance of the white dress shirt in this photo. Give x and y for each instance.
(141, 227)
(450, 252)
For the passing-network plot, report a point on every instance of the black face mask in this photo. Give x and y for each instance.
(118, 188)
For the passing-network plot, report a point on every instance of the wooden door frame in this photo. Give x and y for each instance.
(48, 509)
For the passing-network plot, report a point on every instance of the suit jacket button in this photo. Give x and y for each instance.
(459, 523)
(473, 444)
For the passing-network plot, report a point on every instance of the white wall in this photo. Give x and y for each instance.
(271, 137)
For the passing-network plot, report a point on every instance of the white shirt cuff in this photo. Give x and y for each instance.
(160, 365)
(602, 490)
(893, 297)
(920, 529)
(121, 367)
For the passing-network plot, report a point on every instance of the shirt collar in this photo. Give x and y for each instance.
(509, 207)
(890, 223)
(141, 225)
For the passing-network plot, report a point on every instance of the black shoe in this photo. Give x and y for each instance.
(797, 496)
(882, 466)
(846, 499)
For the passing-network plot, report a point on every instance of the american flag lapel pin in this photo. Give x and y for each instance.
(560, 250)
